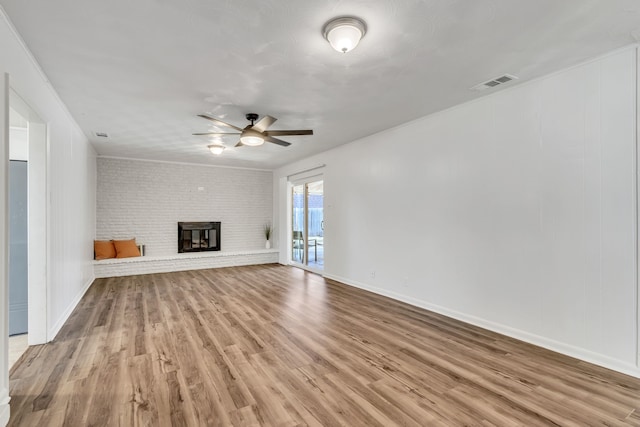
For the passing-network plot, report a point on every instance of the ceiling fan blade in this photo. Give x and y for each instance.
(219, 122)
(239, 144)
(264, 123)
(216, 133)
(288, 132)
(276, 141)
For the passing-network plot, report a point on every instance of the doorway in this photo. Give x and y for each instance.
(28, 232)
(307, 224)
(18, 234)
(18, 252)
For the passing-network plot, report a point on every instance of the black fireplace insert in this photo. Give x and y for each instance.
(198, 236)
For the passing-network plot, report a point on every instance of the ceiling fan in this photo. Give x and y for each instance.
(256, 133)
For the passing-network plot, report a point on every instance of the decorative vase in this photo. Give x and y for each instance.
(267, 245)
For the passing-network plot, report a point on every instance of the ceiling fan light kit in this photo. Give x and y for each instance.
(344, 33)
(252, 135)
(251, 138)
(216, 149)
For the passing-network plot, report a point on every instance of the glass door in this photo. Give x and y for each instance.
(297, 225)
(307, 224)
(315, 224)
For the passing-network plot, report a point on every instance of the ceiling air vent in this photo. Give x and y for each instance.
(494, 82)
(101, 134)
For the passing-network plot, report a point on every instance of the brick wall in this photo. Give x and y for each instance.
(146, 200)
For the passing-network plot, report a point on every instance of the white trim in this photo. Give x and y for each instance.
(559, 347)
(4, 256)
(183, 163)
(302, 181)
(285, 227)
(306, 179)
(22, 44)
(637, 197)
(65, 316)
(5, 412)
(37, 217)
(306, 268)
(292, 177)
(48, 224)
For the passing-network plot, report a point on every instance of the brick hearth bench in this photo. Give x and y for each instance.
(117, 267)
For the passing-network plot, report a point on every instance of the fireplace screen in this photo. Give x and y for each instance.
(198, 236)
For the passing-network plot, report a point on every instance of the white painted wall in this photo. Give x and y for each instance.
(72, 213)
(71, 188)
(515, 212)
(146, 200)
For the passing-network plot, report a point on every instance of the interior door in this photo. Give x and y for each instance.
(18, 254)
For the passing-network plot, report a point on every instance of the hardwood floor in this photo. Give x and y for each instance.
(18, 344)
(277, 346)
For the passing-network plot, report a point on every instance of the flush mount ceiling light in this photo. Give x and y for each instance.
(344, 33)
(216, 149)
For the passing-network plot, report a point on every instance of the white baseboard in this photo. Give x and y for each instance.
(559, 347)
(53, 331)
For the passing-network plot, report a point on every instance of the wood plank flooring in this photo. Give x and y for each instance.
(277, 346)
(18, 344)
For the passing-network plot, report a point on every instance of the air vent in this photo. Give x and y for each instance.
(494, 82)
(101, 134)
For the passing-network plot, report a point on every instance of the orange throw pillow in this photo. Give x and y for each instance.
(126, 248)
(104, 249)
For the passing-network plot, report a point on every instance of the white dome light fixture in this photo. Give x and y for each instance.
(216, 149)
(344, 33)
(251, 138)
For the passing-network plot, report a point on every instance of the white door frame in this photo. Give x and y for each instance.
(290, 185)
(637, 206)
(4, 252)
(38, 220)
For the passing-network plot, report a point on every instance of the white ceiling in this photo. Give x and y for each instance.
(141, 70)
